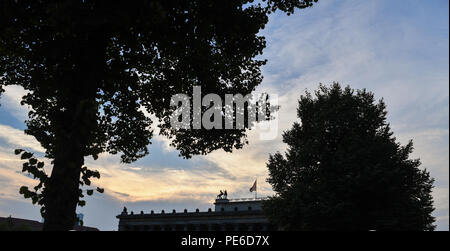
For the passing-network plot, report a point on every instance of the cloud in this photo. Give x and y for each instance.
(17, 138)
(11, 101)
(157, 182)
(11, 179)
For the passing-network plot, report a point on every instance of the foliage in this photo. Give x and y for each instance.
(36, 169)
(95, 70)
(344, 170)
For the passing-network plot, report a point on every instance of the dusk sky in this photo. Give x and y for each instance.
(397, 49)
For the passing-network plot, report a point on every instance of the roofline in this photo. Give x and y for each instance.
(189, 214)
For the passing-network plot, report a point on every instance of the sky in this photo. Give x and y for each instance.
(397, 49)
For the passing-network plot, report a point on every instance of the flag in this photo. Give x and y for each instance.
(253, 188)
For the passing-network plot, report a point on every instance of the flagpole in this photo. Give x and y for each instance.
(256, 189)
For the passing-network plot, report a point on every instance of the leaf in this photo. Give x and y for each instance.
(25, 167)
(26, 155)
(33, 161)
(23, 189)
(18, 151)
(40, 165)
(89, 192)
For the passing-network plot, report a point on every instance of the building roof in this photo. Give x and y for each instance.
(188, 214)
(210, 213)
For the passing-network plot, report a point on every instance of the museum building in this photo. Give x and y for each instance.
(228, 215)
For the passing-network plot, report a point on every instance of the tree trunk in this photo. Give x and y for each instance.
(78, 119)
(61, 194)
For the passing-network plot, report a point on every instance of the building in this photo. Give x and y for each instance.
(228, 215)
(16, 224)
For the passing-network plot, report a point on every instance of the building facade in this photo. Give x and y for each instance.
(228, 215)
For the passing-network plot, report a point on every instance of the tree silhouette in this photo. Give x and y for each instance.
(344, 170)
(92, 68)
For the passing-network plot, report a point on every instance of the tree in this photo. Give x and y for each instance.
(344, 170)
(92, 68)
